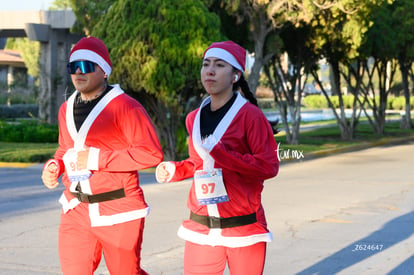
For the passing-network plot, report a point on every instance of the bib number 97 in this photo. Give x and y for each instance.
(208, 188)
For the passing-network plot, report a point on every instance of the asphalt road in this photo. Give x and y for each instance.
(349, 213)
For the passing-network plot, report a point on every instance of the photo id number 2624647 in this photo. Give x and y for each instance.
(367, 247)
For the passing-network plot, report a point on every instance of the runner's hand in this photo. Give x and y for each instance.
(161, 173)
(50, 176)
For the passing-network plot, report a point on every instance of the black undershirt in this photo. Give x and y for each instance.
(81, 109)
(210, 119)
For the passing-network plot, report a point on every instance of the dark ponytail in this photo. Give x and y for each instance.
(244, 87)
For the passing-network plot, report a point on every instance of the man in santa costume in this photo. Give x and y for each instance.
(105, 137)
(232, 151)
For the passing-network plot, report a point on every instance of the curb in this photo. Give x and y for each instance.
(367, 145)
(16, 164)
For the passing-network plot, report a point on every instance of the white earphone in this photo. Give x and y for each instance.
(236, 77)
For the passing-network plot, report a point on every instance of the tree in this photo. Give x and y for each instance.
(381, 44)
(403, 16)
(339, 29)
(156, 49)
(29, 51)
(88, 13)
(60, 5)
(287, 76)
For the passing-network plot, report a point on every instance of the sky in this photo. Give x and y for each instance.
(25, 4)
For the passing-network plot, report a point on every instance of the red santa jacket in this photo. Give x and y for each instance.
(245, 149)
(122, 140)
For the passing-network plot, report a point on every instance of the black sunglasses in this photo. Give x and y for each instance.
(84, 65)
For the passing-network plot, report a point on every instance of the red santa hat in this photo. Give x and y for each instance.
(228, 51)
(94, 50)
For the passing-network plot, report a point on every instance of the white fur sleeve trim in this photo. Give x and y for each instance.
(51, 161)
(93, 159)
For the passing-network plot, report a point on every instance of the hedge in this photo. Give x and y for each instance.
(18, 111)
(28, 131)
(320, 102)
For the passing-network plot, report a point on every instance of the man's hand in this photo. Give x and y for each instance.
(50, 176)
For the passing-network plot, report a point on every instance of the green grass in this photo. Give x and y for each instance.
(319, 141)
(26, 152)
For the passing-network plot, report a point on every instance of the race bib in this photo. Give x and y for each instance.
(209, 187)
(71, 165)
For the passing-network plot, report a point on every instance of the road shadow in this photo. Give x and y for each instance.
(392, 233)
(405, 267)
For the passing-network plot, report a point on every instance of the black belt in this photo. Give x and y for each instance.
(107, 196)
(218, 222)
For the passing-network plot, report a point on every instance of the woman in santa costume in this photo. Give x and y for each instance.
(232, 151)
(105, 137)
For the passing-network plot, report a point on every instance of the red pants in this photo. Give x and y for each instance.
(211, 260)
(81, 246)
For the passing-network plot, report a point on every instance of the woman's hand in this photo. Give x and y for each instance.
(163, 172)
